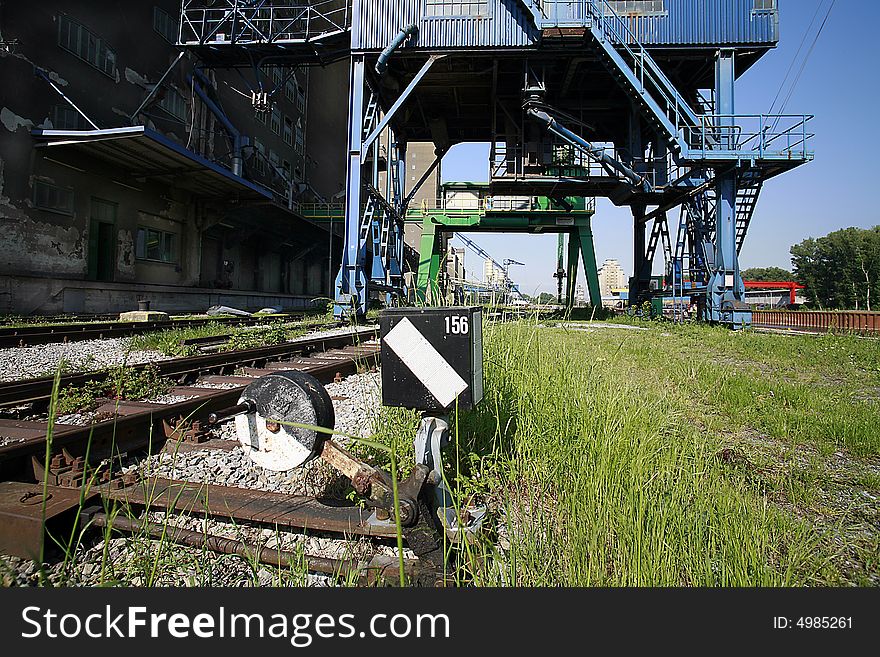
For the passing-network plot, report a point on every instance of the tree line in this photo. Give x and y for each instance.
(840, 270)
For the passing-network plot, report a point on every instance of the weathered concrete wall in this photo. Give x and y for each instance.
(46, 296)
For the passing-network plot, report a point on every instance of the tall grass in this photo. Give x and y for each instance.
(601, 478)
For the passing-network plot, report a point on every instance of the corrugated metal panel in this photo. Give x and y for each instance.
(688, 22)
(506, 25)
(702, 22)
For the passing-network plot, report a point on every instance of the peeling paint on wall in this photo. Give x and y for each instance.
(12, 121)
(136, 78)
(29, 246)
(125, 255)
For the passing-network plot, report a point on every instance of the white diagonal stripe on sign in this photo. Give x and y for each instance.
(426, 363)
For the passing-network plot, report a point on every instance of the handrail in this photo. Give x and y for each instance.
(607, 20)
(260, 24)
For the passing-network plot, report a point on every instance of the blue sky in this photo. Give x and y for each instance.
(839, 85)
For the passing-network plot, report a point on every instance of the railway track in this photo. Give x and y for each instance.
(80, 467)
(27, 336)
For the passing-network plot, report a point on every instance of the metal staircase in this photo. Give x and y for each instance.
(632, 65)
(749, 188)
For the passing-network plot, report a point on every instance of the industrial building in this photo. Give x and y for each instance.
(129, 172)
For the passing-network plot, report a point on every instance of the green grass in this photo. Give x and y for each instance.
(661, 457)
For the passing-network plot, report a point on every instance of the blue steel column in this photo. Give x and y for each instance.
(351, 284)
(726, 290)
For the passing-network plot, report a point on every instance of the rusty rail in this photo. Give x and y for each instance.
(847, 321)
(36, 334)
(183, 369)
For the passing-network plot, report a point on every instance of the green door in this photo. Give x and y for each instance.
(102, 241)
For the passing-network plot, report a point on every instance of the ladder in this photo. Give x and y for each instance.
(748, 190)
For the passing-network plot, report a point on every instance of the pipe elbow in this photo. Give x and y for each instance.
(404, 35)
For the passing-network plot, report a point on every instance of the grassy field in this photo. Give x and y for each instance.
(675, 456)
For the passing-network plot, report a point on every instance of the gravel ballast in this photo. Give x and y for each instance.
(42, 360)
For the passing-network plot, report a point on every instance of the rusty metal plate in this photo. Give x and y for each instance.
(22, 532)
(241, 504)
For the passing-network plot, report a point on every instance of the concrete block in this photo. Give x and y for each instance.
(143, 316)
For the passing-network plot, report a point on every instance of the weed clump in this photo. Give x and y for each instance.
(121, 383)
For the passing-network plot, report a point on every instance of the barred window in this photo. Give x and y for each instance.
(165, 25)
(636, 7)
(90, 48)
(174, 103)
(64, 117)
(259, 157)
(456, 7)
(155, 245)
(53, 198)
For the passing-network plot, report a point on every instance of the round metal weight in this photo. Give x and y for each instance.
(279, 399)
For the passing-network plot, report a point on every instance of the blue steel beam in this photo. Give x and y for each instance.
(351, 285)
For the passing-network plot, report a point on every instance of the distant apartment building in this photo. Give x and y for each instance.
(493, 275)
(128, 172)
(611, 277)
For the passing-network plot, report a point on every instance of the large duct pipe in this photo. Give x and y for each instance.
(234, 133)
(608, 163)
(409, 31)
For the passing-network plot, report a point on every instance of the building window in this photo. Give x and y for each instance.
(290, 89)
(64, 117)
(259, 157)
(300, 100)
(75, 38)
(53, 198)
(155, 245)
(456, 7)
(300, 138)
(276, 120)
(288, 132)
(765, 5)
(165, 25)
(636, 7)
(274, 161)
(174, 103)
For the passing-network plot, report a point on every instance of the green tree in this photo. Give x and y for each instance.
(840, 270)
(766, 274)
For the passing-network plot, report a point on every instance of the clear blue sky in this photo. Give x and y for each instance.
(836, 190)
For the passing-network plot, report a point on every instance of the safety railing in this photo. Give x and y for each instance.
(490, 203)
(248, 22)
(613, 27)
(753, 135)
(320, 210)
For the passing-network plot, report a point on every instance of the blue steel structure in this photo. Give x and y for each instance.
(633, 100)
